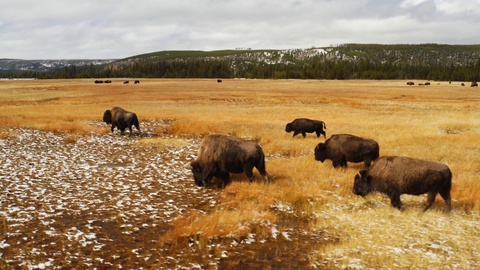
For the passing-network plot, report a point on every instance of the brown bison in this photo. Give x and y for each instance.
(136, 82)
(474, 84)
(410, 83)
(394, 176)
(121, 119)
(219, 155)
(341, 148)
(304, 125)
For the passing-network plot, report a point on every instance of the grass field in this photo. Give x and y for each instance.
(439, 122)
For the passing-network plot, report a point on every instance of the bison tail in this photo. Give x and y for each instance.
(324, 126)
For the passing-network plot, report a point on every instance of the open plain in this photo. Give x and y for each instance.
(73, 195)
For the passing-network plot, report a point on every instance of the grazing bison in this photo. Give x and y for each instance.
(303, 125)
(126, 82)
(121, 119)
(136, 82)
(410, 83)
(474, 84)
(219, 81)
(108, 81)
(341, 148)
(394, 176)
(98, 81)
(220, 155)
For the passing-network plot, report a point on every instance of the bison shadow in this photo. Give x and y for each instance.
(217, 182)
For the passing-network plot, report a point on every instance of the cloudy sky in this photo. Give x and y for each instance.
(101, 29)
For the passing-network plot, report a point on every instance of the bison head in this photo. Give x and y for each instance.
(362, 184)
(321, 152)
(107, 117)
(202, 174)
(288, 128)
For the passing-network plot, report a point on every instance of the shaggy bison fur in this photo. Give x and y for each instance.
(219, 155)
(394, 176)
(341, 148)
(304, 125)
(121, 119)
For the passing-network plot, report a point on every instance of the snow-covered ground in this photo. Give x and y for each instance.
(91, 201)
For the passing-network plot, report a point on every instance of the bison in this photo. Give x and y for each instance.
(136, 82)
(219, 155)
(121, 119)
(303, 125)
(474, 84)
(395, 175)
(341, 148)
(410, 83)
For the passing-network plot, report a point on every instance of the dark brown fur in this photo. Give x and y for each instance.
(304, 125)
(121, 119)
(394, 176)
(219, 155)
(341, 148)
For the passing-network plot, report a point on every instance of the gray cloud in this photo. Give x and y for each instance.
(115, 29)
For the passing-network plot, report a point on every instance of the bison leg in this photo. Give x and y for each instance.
(339, 163)
(225, 176)
(321, 132)
(248, 169)
(262, 171)
(304, 134)
(295, 133)
(395, 201)
(367, 163)
(446, 196)
(430, 200)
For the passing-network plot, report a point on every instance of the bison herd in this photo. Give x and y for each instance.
(219, 155)
(109, 81)
(473, 84)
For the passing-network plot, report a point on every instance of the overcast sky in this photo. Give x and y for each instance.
(101, 29)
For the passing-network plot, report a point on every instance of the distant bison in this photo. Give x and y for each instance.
(474, 84)
(126, 82)
(341, 148)
(98, 81)
(136, 82)
(410, 83)
(394, 176)
(304, 125)
(108, 81)
(121, 119)
(219, 155)
(219, 81)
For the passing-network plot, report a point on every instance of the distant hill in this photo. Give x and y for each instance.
(47, 65)
(346, 61)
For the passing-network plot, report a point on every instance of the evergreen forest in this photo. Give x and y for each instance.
(340, 62)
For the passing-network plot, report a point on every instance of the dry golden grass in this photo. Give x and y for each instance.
(438, 123)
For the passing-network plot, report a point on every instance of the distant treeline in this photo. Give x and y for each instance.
(350, 61)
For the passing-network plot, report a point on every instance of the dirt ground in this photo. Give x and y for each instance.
(103, 201)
